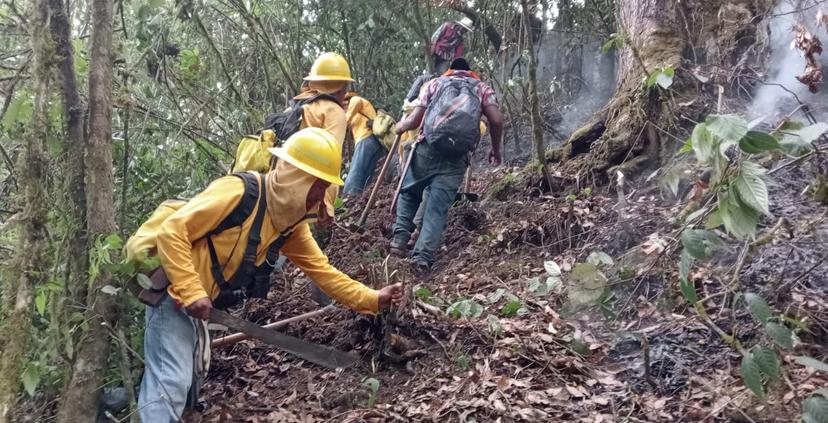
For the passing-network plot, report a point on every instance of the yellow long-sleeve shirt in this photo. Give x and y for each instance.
(330, 115)
(359, 112)
(185, 257)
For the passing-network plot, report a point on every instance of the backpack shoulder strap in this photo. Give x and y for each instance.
(319, 97)
(245, 206)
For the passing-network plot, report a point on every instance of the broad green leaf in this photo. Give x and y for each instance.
(812, 363)
(699, 243)
(730, 128)
(752, 376)
(768, 362)
(465, 308)
(689, 291)
(664, 77)
(781, 335)
(599, 258)
(714, 220)
(554, 284)
(702, 143)
(739, 219)
(552, 268)
(758, 307)
(588, 284)
(31, 379)
(496, 295)
(751, 187)
(815, 409)
(143, 280)
(756, 142)
(40, 302)
(685, 265)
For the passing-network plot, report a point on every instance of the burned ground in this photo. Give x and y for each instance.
(642, 356)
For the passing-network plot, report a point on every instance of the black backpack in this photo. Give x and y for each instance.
(249, 280)
(287, 123)
(452, 117)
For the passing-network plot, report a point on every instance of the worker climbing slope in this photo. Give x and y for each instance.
(447, 43)
(449, 108)
(202, 263)
(367, 148)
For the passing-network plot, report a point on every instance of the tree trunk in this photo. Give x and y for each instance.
(74, 146)
(709, 37)
(27, 270)
(81, 397)
(537, 120)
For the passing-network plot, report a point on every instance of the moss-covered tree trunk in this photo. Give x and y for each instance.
(27, 271)
(80, 398)
(717, 39)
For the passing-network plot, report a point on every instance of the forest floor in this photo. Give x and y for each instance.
(643, 355)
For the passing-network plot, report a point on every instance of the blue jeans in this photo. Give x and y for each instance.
(442, 177)
(169, 345)
(366, 154)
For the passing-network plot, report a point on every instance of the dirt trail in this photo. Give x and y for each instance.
(643, 356)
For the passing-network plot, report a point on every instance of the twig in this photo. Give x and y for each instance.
(802, 276)
(237, 337)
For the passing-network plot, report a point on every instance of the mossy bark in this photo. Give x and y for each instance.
(631, 133)
(80, 399)
(26, 272)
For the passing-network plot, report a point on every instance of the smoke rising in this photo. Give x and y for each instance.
(772, 101)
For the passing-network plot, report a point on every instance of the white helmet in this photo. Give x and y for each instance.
(466, 23)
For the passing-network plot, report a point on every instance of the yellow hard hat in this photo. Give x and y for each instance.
(330, 67)
(315, 151)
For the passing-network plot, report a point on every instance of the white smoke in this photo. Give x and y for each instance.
(773, 101)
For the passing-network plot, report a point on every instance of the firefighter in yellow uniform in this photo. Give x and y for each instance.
(308, 163)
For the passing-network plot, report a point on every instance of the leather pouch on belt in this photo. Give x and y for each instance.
(153, 296)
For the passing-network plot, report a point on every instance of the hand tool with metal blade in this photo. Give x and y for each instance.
(325, 356)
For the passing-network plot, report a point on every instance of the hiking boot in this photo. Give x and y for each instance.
(420, 268)
(399, 249)
(413, 241)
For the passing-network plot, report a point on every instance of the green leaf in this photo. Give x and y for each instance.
(768, 362)
(758, 307)
(700, 243)
(495, 328)
(665, 78)
(756, 142)
(496, 295)
(781, 335)
(702, 142)
(794, 145)
(812, 363)
(31, 378)
(739, 219)
(552, 268)
(463, 362)
(588, 284)
(730, 128)
(599, 258)
(815, 409)
(689, 291)
(40, 302)
(372, 384)
(686, 147)
(512, 308)
(143, 280)
(714, 220)
(423, 294)
(752, 375)
(685, 265)
(465, 308)
(751, 187)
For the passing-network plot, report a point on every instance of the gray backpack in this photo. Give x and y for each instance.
(452, 118)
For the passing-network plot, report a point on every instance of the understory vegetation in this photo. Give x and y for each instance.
(654, 248)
